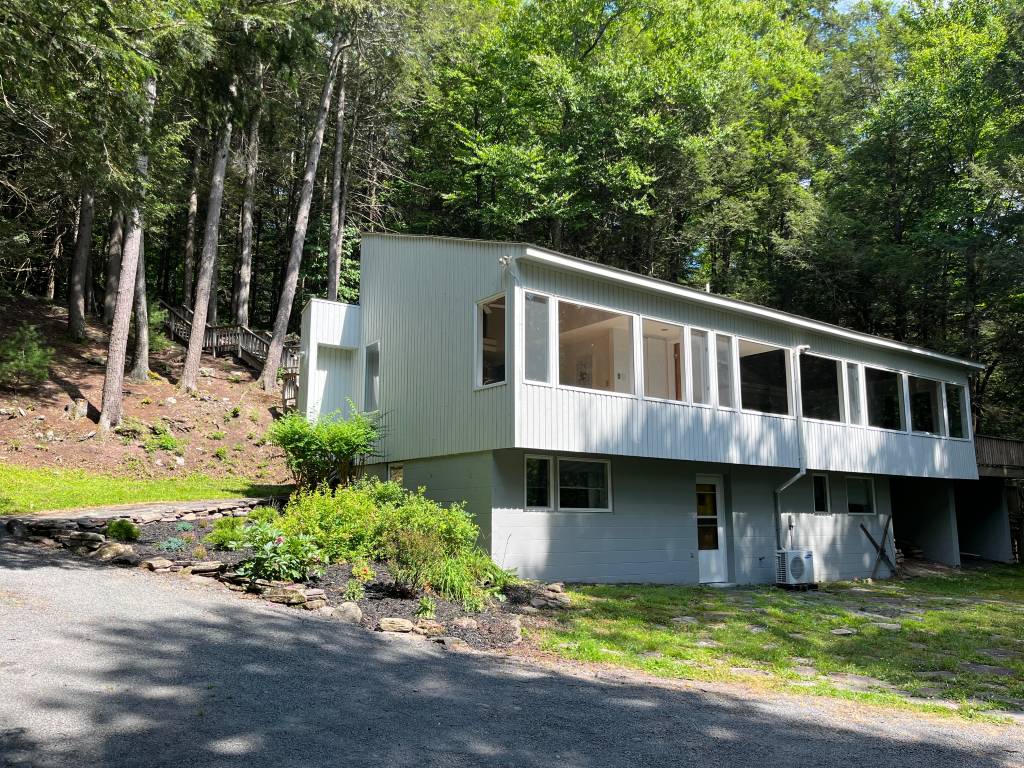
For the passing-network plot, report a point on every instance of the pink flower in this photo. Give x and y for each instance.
(279, 540)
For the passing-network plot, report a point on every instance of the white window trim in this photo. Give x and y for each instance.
(871, 486)
(367, 348)
(709, 358)
(684, 333)
(828, 494)
(904, 398)
(635, 320)
(478, 342)
(965, 417)
(558, 485)
(844, 410)
(943, 426)
(552, 480)
(791, 396)
(733, 366)
(552, 338)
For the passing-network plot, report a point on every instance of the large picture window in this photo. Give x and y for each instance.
(820, 392)
(763, 379)
(884, 398)
(925, 405)
(491, 322)
(956, 410)
(595, 348)
(538, 482)
(537, 338)
(663, 360)
(700, 363)
(583, 485)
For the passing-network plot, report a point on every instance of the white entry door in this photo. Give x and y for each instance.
(711, 529)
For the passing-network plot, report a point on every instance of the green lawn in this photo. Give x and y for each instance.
(784, 640)
(24, 489)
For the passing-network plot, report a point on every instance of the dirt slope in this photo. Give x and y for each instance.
(219, 431)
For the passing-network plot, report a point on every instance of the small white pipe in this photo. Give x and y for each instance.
(801, 453)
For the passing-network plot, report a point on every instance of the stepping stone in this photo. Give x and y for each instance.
(803, 660)
(888, 627)
(756, 630)
(929, 693)
(844, 631)
(652, 655)
(918, 646)
(707, 644)
(805, 671)
(999, 654)
(797, 636)
(938, 674)
(854, 682)
(684, 620)
(986, 669)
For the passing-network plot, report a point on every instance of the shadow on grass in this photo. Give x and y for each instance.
(202, 681)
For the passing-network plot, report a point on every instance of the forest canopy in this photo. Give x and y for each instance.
(860, 163)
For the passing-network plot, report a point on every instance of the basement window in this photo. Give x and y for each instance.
(820, 393)
(925, 405)
(763, 380)
(491, 339)
(956, 410)
(860, 495)
(538, 326)
(884, 398)
(538, 483)
(595, 348)
(822, 504)
(663, 361)
(584, 485)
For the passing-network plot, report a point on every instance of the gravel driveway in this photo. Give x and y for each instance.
(105, 667)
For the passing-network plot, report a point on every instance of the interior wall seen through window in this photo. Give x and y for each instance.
(700, 363)
(582, 484)
(595, 348)
(492, 341)
(537, 338)
(664, 374)
(723, 361)
(956, 408)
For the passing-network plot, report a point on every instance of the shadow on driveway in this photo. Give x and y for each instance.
(162, 673)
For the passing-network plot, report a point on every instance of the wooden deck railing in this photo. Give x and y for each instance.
(249, 346)
(999, 456)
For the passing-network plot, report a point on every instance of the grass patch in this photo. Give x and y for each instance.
(783, 640)
(26, 489)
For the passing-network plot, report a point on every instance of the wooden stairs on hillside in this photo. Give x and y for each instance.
(249, 346)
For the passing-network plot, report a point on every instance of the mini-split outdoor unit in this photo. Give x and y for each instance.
(794, 567)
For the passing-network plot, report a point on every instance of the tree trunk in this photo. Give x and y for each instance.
(115, 241)
(190, 230)
(211, 303)
(291, 278)
(252, 157)
(140, 368)
(334, 252)
(207, 261)
(113, 382)
(80, 264)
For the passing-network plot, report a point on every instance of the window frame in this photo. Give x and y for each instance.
(844, 398)
(828, 493)
(400, 466)
(552, 302)
(734, 369)
(555, 351)
(942, 415)
(552, 480)
(791, 396)
(478, 342)
(871, 487)
(965, 415)
(366, 375)
(642, 379)
(901, 378)
(711, 372)
(558, 485)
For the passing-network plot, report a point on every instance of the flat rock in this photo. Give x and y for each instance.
(466, 622)
(111, 550)
(207, 567)
(805, 671)
(986, 669)
(428, 628)
(843, 631)
(684, 620)
(938, 674)
(394, 624)
(887, 626)
(555, 586)
(857, 682)
(452, 643)
(157, 564)
(350, 612)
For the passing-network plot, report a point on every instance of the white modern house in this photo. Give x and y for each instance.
(603, 426)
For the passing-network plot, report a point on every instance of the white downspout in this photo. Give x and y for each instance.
(801, 453)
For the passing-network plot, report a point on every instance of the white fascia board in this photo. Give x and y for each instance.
(621, 276)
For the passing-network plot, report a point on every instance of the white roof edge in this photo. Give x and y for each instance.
(575, 264)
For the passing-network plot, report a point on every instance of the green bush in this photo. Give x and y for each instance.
(279, 557)
(427, 608)
(122, 530)
(327, 450)
(24, 359)
(173, 544)
(227, 533)
(354, 591)
(161, 439)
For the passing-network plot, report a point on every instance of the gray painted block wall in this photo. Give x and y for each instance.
(983, 520)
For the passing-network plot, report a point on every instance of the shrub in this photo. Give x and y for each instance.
(158, 340)
(227, 533)
(362, 571)
(173, 544)
(216, 435)
(199, 552)
(24, 359)
(183, 526)
(277, 556)
(221, 454)
(122, 530)
(354, 591)
(426, 608)
(161, 439)
(327, 450)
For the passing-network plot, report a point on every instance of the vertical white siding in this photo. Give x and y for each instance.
(418, 299)
(556, 418)
(329, 361)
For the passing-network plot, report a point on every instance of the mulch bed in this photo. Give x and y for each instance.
(154, 535)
